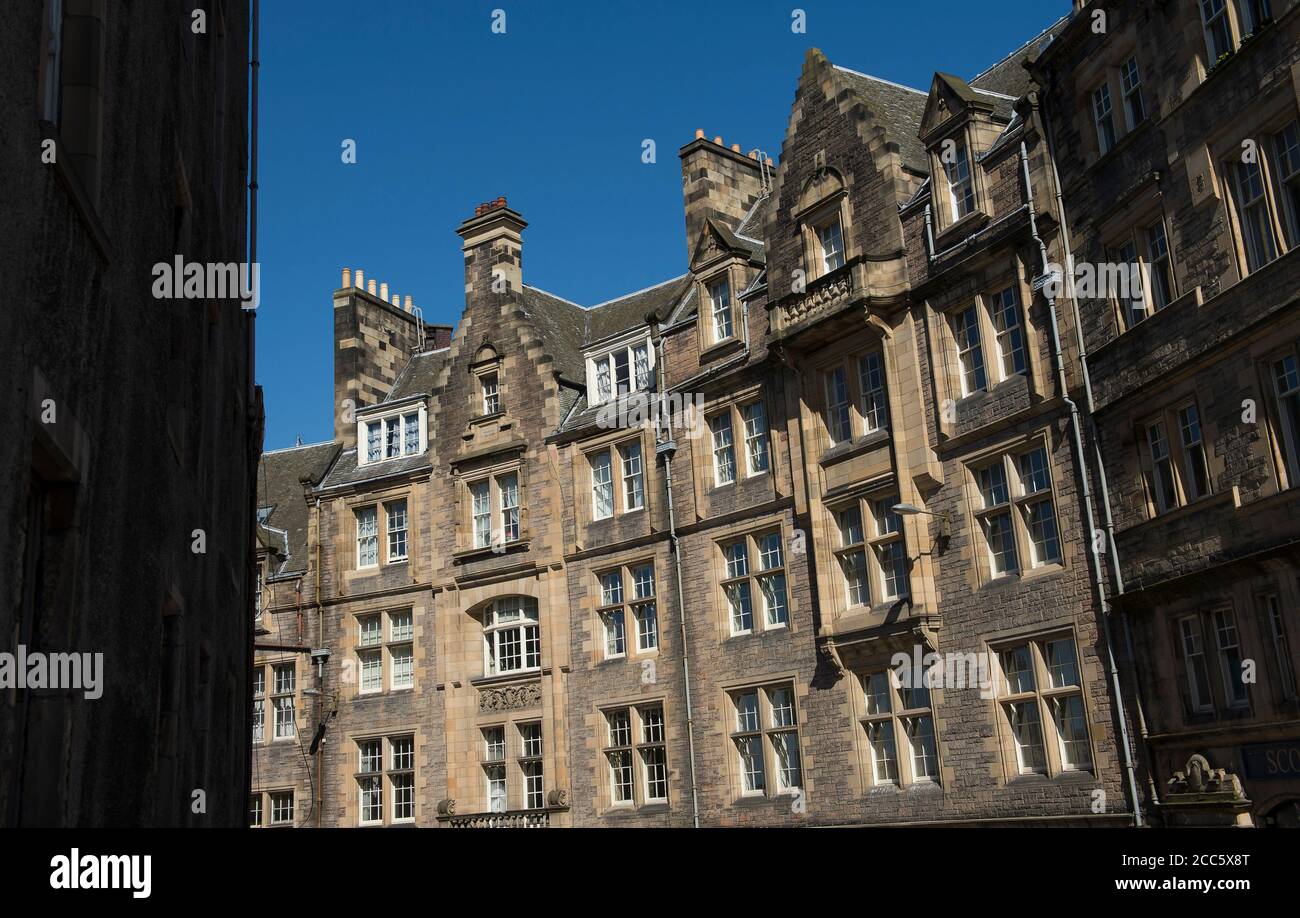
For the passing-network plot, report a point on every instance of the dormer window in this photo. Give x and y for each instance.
(392, 437)
(720, 309)
(830, 238)
(961, 187)
(491, 394)
(618, 372)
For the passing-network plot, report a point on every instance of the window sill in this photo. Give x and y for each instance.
(507, 678)
(850, 448)
(721, 347)
(467, 555)
(968, 225)
(1218, 498)
(1005, 581)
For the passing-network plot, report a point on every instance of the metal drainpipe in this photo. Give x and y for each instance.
(253, 458)
(1081, 460)
(681, 593)
(1103, 486)
(320, 673)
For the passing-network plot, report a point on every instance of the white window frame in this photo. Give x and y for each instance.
(894, 712)
(396, 509)
(1041, 698)
(1130, 79)
(634, 751)
(284, 700)
(496, 630)
(722, 442)
(367, 523)
(391, 427)
(495, 501)
(722, 316)
(772, 725)
(758, 573)
(1103, 118)
(602, 375)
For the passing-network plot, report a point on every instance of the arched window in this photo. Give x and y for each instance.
(511, 636)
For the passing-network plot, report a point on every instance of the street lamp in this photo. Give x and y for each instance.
(945, 526)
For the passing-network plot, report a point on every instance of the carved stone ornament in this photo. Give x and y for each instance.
(447, 807)
(557, 797)
(1197, 777)
(510, 697)
(823, 297)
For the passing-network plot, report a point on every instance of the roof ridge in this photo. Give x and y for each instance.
(289, 449)
(867, 76)
(554, 296)
(998, 63)
(638, 292)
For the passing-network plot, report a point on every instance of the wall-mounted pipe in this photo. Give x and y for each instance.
(1080, 458)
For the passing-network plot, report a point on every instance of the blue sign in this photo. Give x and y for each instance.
(1272, 761)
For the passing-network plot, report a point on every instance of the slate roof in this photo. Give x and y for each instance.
(345, 470)
(1007, 76)
(751, 227)
(568, 328)
(285, 527)
(419, 375)
(898, 108)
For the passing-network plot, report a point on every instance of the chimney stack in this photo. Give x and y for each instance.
(718, 182)
(493, 244)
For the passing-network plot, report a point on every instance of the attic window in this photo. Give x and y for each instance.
(961, 187)
(720, 309)
(621, 371)
(391, 437)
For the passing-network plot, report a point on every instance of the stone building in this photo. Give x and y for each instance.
(1182, 155)
(132, 423)
(652, 562)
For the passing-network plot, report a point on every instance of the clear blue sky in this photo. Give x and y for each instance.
(552, 114)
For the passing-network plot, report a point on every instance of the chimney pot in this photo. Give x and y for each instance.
(397, 301)
(501, 201)
(735, 148)
(699, 133)
(361, 278)
(347, 278)
(383, 291)
(408, 302)
(753, 154)
(718, 140)
(370, 288)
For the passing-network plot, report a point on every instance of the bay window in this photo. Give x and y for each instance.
(511, 636)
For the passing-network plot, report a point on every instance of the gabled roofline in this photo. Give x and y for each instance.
(877, 79)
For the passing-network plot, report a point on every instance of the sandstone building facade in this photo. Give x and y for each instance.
(652, 562)
(1183, 155)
